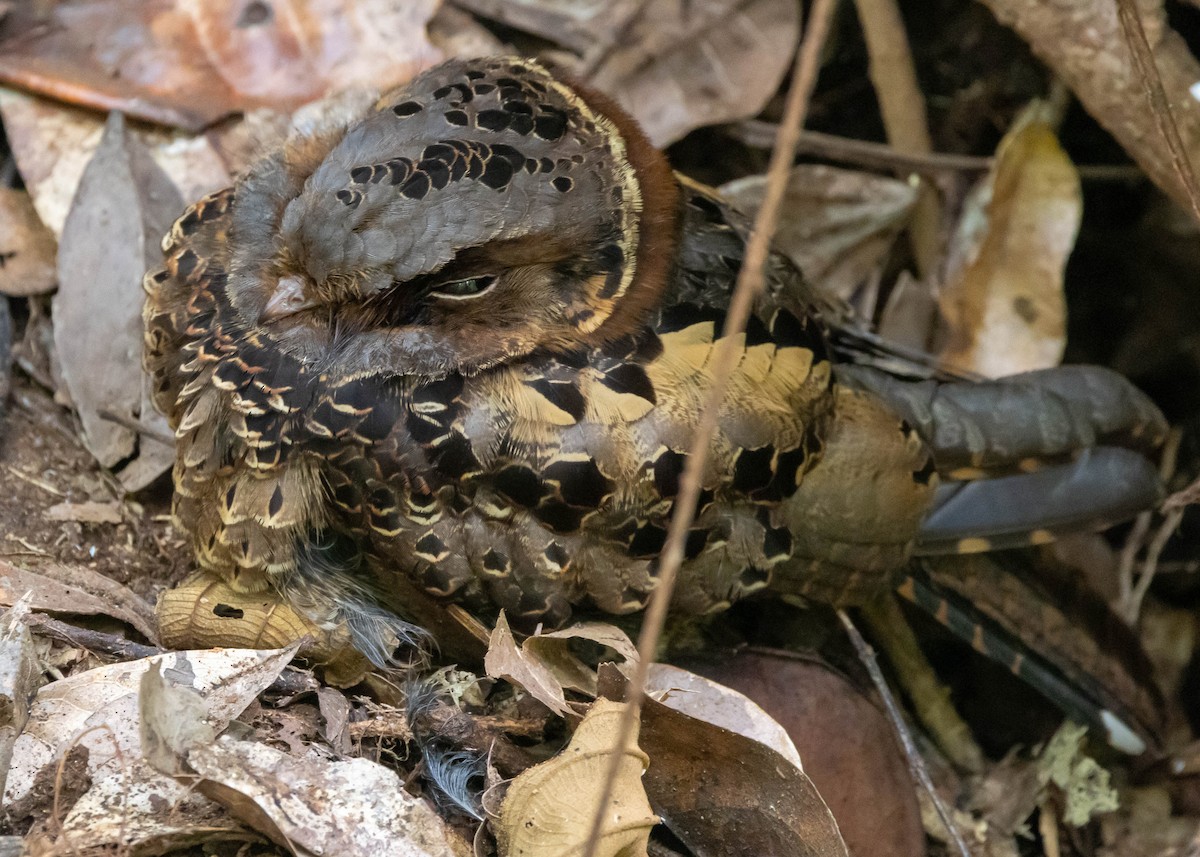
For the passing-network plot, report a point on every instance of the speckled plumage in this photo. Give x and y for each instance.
(458, 348)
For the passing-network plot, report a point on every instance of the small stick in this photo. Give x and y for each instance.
(916, 765)
(749, 284)
(134, 425)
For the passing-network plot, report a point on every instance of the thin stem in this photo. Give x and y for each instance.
(749, 285)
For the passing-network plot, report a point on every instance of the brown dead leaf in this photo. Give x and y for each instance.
(1003, 298)
(574, 24)
(848, 747)
(838, 225)
(722, 793)
(187, 64)
(27, 248)
(505, 659)
(688, 63)
(705, 699)
(76, 589)
(123, 206)
(544, 666)
(549, 809)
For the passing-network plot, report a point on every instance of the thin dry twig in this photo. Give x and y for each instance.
(1130, 595)
(902, 104)
(135, 426)
(1147, 70)
(880, 156)
(749, 286)
(916, 765)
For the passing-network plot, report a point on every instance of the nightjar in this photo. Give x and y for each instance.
(454, 351)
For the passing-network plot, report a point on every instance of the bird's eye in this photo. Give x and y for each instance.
(465, 289)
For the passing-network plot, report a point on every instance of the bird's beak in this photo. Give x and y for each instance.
(288, 299)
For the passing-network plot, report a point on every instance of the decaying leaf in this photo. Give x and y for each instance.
(27, 248)
(311, 805)
(75, 589)
(1003, 295)
(1084, 783)
(122, 208)
(544, 665)
(549, 809)
(187, 63)
(688, 63)
(19, 674)
(129, 805)
(206, 611)
(837, 225)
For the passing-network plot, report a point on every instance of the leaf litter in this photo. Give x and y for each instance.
(679, 67)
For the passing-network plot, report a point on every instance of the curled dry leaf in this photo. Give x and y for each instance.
(188, 63)
(205, 611)
(549, 809)
(79, 590)
(544, 665)
(1003, 296)
(27, 248)
(683, 64)
(838, 225)
(123, 206)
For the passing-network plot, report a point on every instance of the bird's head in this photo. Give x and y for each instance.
(482, 211)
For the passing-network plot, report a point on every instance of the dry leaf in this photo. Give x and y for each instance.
(90, 512)
(722, 793)
(311, 805)
(849, 749)
(1003, 298)
(27, 248)
(505, 659)
(549, 809)
(188, 63)
(19, 675)
(123, 206)
(575, 24)
(53, 143)
(704, 699)
(206, 611)
(837, 225)
(79, 590)
(544, 665)
(688, 63)
(681, 64)
(99, 708)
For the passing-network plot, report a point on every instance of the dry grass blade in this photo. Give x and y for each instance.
(749, 285)
(1143, 61)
